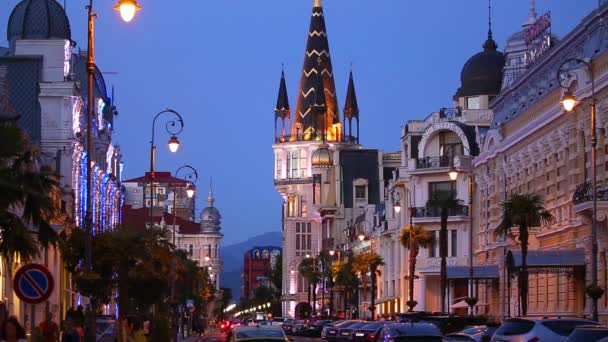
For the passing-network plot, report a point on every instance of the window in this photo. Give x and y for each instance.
(292, 206)
(209, 251)
(473, 102)
(360, 192)
(434, 244)
(454, 242)
(441, 186)
(296, 164)
(303, 237)
(278, 173)
(304, 208)
(191, 250)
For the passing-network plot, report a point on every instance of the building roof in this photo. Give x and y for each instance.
(351, 108)
(38, 19)
(482, 73)
(282, 109)
(137, 218)
(317, 59)
(159, 177)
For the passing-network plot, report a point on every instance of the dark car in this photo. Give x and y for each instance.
(411, 317)
(545, 329)
(410, 332)
(346, 331)
(367, 332)
(490, 330)
(314, 328)
(328, 327)
(287, 326)
(588, 333)
(332, 332)
(449, 324)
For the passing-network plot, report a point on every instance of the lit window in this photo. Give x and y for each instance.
(304, 206)
(279, 166)
(473, 102)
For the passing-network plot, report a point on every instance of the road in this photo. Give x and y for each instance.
(219, 337)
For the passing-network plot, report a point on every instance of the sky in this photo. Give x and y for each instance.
(218, 64)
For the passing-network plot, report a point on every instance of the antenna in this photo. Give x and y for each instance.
(490, 19)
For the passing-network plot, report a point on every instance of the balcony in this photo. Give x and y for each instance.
(290, 138)
(583, 201)
(434, 263)
(422, 212)
(434, 162)
(290, 181)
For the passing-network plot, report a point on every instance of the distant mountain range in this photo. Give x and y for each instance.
(232, 255)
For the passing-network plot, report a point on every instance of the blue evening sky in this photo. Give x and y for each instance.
(218, 63)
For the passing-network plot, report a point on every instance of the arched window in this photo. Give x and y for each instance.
(256, 254)
(265, 254)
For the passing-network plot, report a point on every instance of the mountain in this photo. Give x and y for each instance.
(232, 255)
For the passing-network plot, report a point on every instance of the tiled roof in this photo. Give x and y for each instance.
(137, 218)
(159, 177)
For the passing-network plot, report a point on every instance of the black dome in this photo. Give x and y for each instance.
(38, 19)
(482, 73)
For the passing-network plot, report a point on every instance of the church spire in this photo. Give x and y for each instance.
(532, 15)
(490, 44)
(282, 109)
(210, 198)
(317, 48)
(351, 108)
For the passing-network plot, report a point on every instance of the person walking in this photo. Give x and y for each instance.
(49, 330)
(12, 331)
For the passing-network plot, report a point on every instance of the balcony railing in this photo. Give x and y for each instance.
(436, 212)
(584, 193)
(287, 181)
(299, 137)
(434, 162)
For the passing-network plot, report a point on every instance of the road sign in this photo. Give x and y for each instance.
(33, 283)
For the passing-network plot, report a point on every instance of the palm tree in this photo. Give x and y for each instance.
(346, 278)
(413, 238)
(525, 211)
(368, 262)
(308, 270)
(445, 202)
(29, 200)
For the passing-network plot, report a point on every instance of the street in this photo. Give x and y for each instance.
(216, 336)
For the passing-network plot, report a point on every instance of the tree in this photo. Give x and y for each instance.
(525, 211)
(346, 279)
(308, 270)
(445, 202)
(413, 238)
(29, 200)
(368, 262)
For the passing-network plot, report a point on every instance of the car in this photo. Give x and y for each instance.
(278, 320)
(530, 329)
(298, 327)
(406, 332)
(263, 333)
(468, 334)
(332, 332)
(346, 331)
(287, 326)
(314, 328)
(450, 324)
(490, 330)
(225, 326)
(588, 333)
(367, 332)
(329, 326)
(105, 329)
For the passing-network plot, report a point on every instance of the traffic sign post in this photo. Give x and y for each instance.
(33, 283)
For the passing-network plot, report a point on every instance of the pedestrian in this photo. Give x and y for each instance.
(49, 329)
(12, 331)
(69, 333)
(136, 330)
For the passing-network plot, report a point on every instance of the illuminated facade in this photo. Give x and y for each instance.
(45, 85)
(258, 262)
(534, 146)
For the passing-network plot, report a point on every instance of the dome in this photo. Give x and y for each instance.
(211, 214)
(482, 73)
(38, 19)
(322, 157)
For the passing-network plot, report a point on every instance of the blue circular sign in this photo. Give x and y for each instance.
(33, 283)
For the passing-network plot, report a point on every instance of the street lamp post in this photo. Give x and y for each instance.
(88, 219)
(190, 190)
(565, 74)
(172, 127)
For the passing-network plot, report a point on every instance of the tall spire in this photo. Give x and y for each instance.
(210, 198)
(282, 109)
(490, 44)
(351, 108)
(532, 15)
(317, 48)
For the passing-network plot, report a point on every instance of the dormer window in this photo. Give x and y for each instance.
(360, 191)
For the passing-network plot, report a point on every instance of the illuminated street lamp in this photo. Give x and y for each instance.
(361, 237)
(190, 190)
(127, 9)
(173, 144)
(332, 252)
(568, 100)
(453, 173)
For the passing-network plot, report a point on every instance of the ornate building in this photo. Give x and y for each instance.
(534, 146)
(258, 262)
(43, 84)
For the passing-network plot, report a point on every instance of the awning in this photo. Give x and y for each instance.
(550, 261)
(479, 272)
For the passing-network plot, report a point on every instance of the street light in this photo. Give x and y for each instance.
(332, 252)
(453, 173)
(88, 219)
(172, 127)
(361, 237)
(190, 190)
(566, 73)
(127, 9)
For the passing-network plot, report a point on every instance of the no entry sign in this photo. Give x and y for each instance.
(33, 283)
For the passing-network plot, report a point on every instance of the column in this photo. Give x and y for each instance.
(420, 294)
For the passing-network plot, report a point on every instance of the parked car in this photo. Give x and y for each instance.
(329, 326)
(105, 329)
(548, 329)
(588, 333)
(314, 328)
(287, 325)
(410, 332)
(346, 331)
(332, 332)
(468, 334)
(490, 330)
(367, 332)
(278, 320)
(265, 333)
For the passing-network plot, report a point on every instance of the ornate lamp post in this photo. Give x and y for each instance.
(192, 177)
(172, 127)
(565, 74)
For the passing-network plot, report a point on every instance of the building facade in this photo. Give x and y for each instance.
(534, 146)
(258, 263)
(43, 88)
